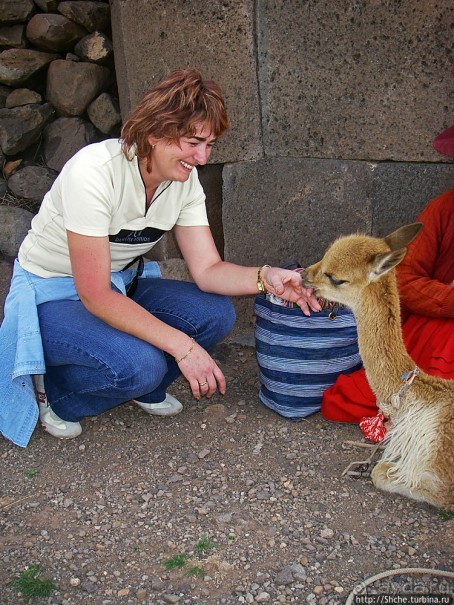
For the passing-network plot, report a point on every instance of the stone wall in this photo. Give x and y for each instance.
(57, 94)
(333, 105)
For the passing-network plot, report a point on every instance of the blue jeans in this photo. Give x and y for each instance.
(92, 367)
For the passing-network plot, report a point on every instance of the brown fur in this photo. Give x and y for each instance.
(418, 460)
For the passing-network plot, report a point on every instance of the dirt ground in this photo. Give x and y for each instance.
(225, 503)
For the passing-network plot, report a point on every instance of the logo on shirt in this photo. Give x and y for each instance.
(149, 235)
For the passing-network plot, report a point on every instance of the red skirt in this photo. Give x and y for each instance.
(429, 342)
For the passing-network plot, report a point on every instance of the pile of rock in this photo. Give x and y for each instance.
(57, 94)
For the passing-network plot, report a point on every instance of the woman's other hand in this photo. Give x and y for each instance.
(202, 372)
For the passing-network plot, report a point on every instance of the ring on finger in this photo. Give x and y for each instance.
(202, 384)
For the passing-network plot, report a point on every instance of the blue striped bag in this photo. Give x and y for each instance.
(299, 356)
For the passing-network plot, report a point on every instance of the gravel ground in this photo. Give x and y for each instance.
(254, 507)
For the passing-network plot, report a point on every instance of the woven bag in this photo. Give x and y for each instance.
(299, 356)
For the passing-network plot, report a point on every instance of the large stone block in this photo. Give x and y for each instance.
(294, 208)
(152, 38)
(401, 190)
(276, 210)
(355, 80)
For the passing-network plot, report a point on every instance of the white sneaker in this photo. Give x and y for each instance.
(169, 407)
(55, 426)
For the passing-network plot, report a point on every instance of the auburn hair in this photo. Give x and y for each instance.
(173, 109)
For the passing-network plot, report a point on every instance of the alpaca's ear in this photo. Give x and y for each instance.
(403, 236)
(384, 262)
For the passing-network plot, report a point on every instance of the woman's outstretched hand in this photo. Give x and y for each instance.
(288, 285)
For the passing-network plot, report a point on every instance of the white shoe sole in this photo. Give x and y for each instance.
(55, 426)
(169, 407)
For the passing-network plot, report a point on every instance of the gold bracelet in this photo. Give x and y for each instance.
(261, 287)
(177, 361)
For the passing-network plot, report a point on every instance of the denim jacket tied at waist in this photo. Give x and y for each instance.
(21, 347)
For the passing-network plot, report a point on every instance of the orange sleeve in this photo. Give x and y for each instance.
(426, 273)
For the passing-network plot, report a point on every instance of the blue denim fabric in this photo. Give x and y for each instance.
(21, 350)
(92, 367)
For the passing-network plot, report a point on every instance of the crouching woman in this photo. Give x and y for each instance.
(86, 312)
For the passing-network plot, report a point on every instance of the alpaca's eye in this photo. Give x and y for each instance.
(335, 282)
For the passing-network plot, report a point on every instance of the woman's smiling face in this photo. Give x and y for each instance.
(174, 161)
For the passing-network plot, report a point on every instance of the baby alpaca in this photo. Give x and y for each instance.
(418, 460)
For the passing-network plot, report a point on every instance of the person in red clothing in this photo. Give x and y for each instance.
(426, 288)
